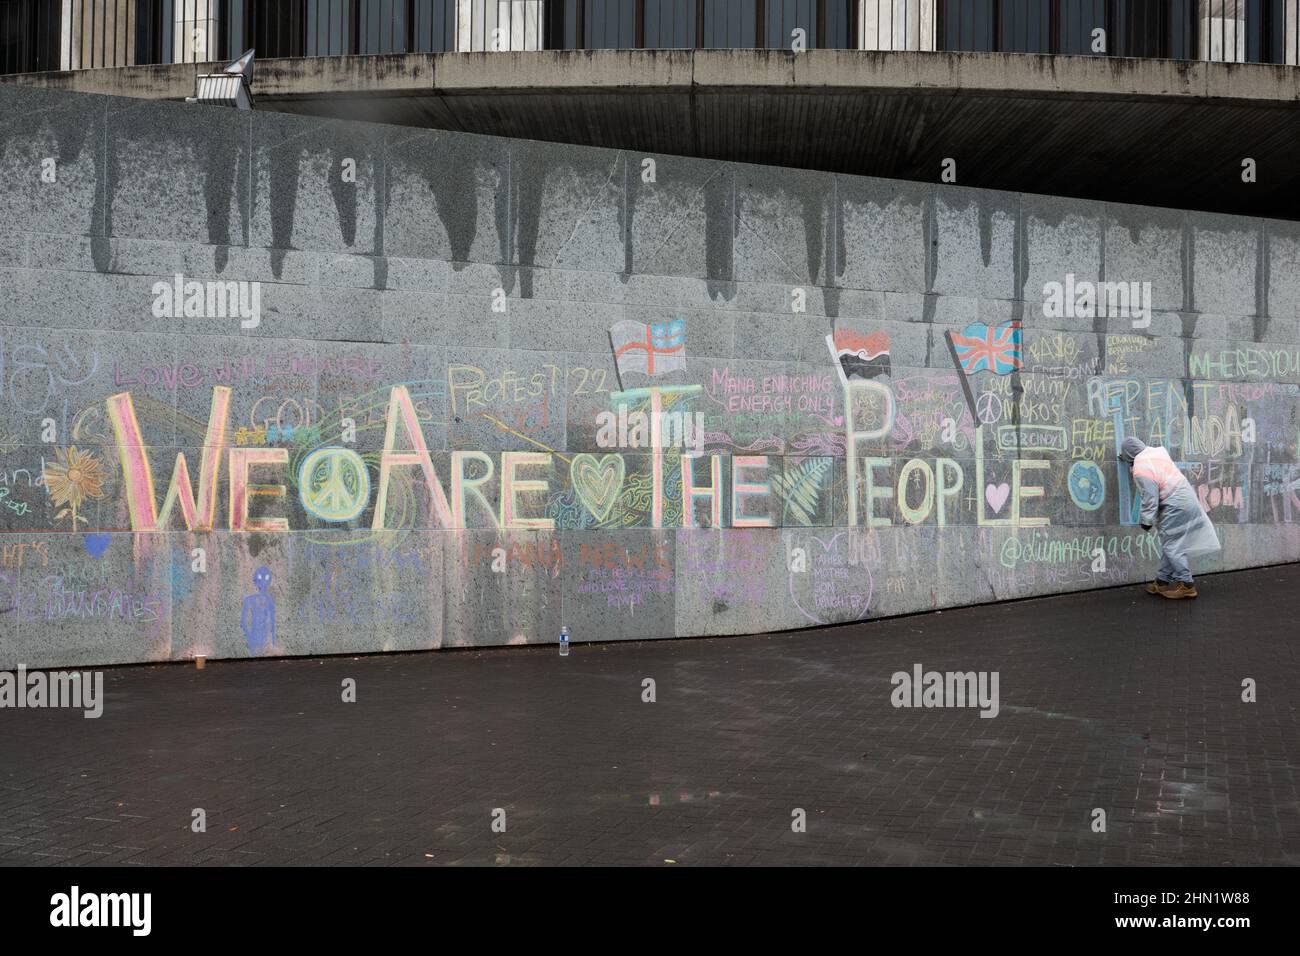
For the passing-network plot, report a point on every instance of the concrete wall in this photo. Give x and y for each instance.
(461, 292)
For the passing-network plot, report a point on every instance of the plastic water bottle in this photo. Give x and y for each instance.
(564, 641)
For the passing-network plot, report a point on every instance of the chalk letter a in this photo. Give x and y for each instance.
(401, 407)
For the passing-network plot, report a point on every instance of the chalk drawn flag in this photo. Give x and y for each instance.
(981, 348)
(650, 349)
(859, 356)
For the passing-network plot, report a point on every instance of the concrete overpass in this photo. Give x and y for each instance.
(1160, 132)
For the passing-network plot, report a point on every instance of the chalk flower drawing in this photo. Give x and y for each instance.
(75, 477)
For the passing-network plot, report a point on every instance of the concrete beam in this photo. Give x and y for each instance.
(664, 70)
(1162, 132)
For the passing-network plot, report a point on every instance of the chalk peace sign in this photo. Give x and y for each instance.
(333, 484)
(988, 407)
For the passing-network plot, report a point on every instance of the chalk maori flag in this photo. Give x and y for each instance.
(859, 356)
(650, 349)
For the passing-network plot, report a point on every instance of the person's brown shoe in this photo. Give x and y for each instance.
(1156, 586)
(1178, 589)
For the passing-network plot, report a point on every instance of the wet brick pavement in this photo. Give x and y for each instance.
(1111, 699)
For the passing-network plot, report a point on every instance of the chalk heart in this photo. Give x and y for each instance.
(997, 495)
(96, 544)
(597, 482)
(853, 606)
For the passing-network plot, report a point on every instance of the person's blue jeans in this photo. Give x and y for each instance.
(1173, 567)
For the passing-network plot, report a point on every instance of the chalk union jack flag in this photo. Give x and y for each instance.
(650, 349)
(981, 348)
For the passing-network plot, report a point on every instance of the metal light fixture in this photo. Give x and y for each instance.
(231, 87)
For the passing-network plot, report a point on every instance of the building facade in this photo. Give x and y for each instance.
(42, 35)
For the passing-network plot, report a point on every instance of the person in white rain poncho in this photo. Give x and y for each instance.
(1169, 503)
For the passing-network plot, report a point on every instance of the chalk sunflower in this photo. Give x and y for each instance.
(74, 478)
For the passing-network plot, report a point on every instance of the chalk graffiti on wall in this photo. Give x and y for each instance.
(74, 479)
(834, 588)
(509, 490)
(408, 451)
(257, 616)
(864, 462)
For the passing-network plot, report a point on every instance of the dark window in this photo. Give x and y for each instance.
(230, 29)
(783, 17)
(28, 36)
(730, 23)
(670, 24)
(382, 26)
(1145, 28)
(1266, 35)
(1182, 43)
(839, 24)
(561, 25)
(1026, 26)
(1256, 30)
(279, 29)
(967, 25)
(1077, 19)
(329, 28)
(610, 24)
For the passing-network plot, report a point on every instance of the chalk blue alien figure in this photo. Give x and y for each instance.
(258, 615)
